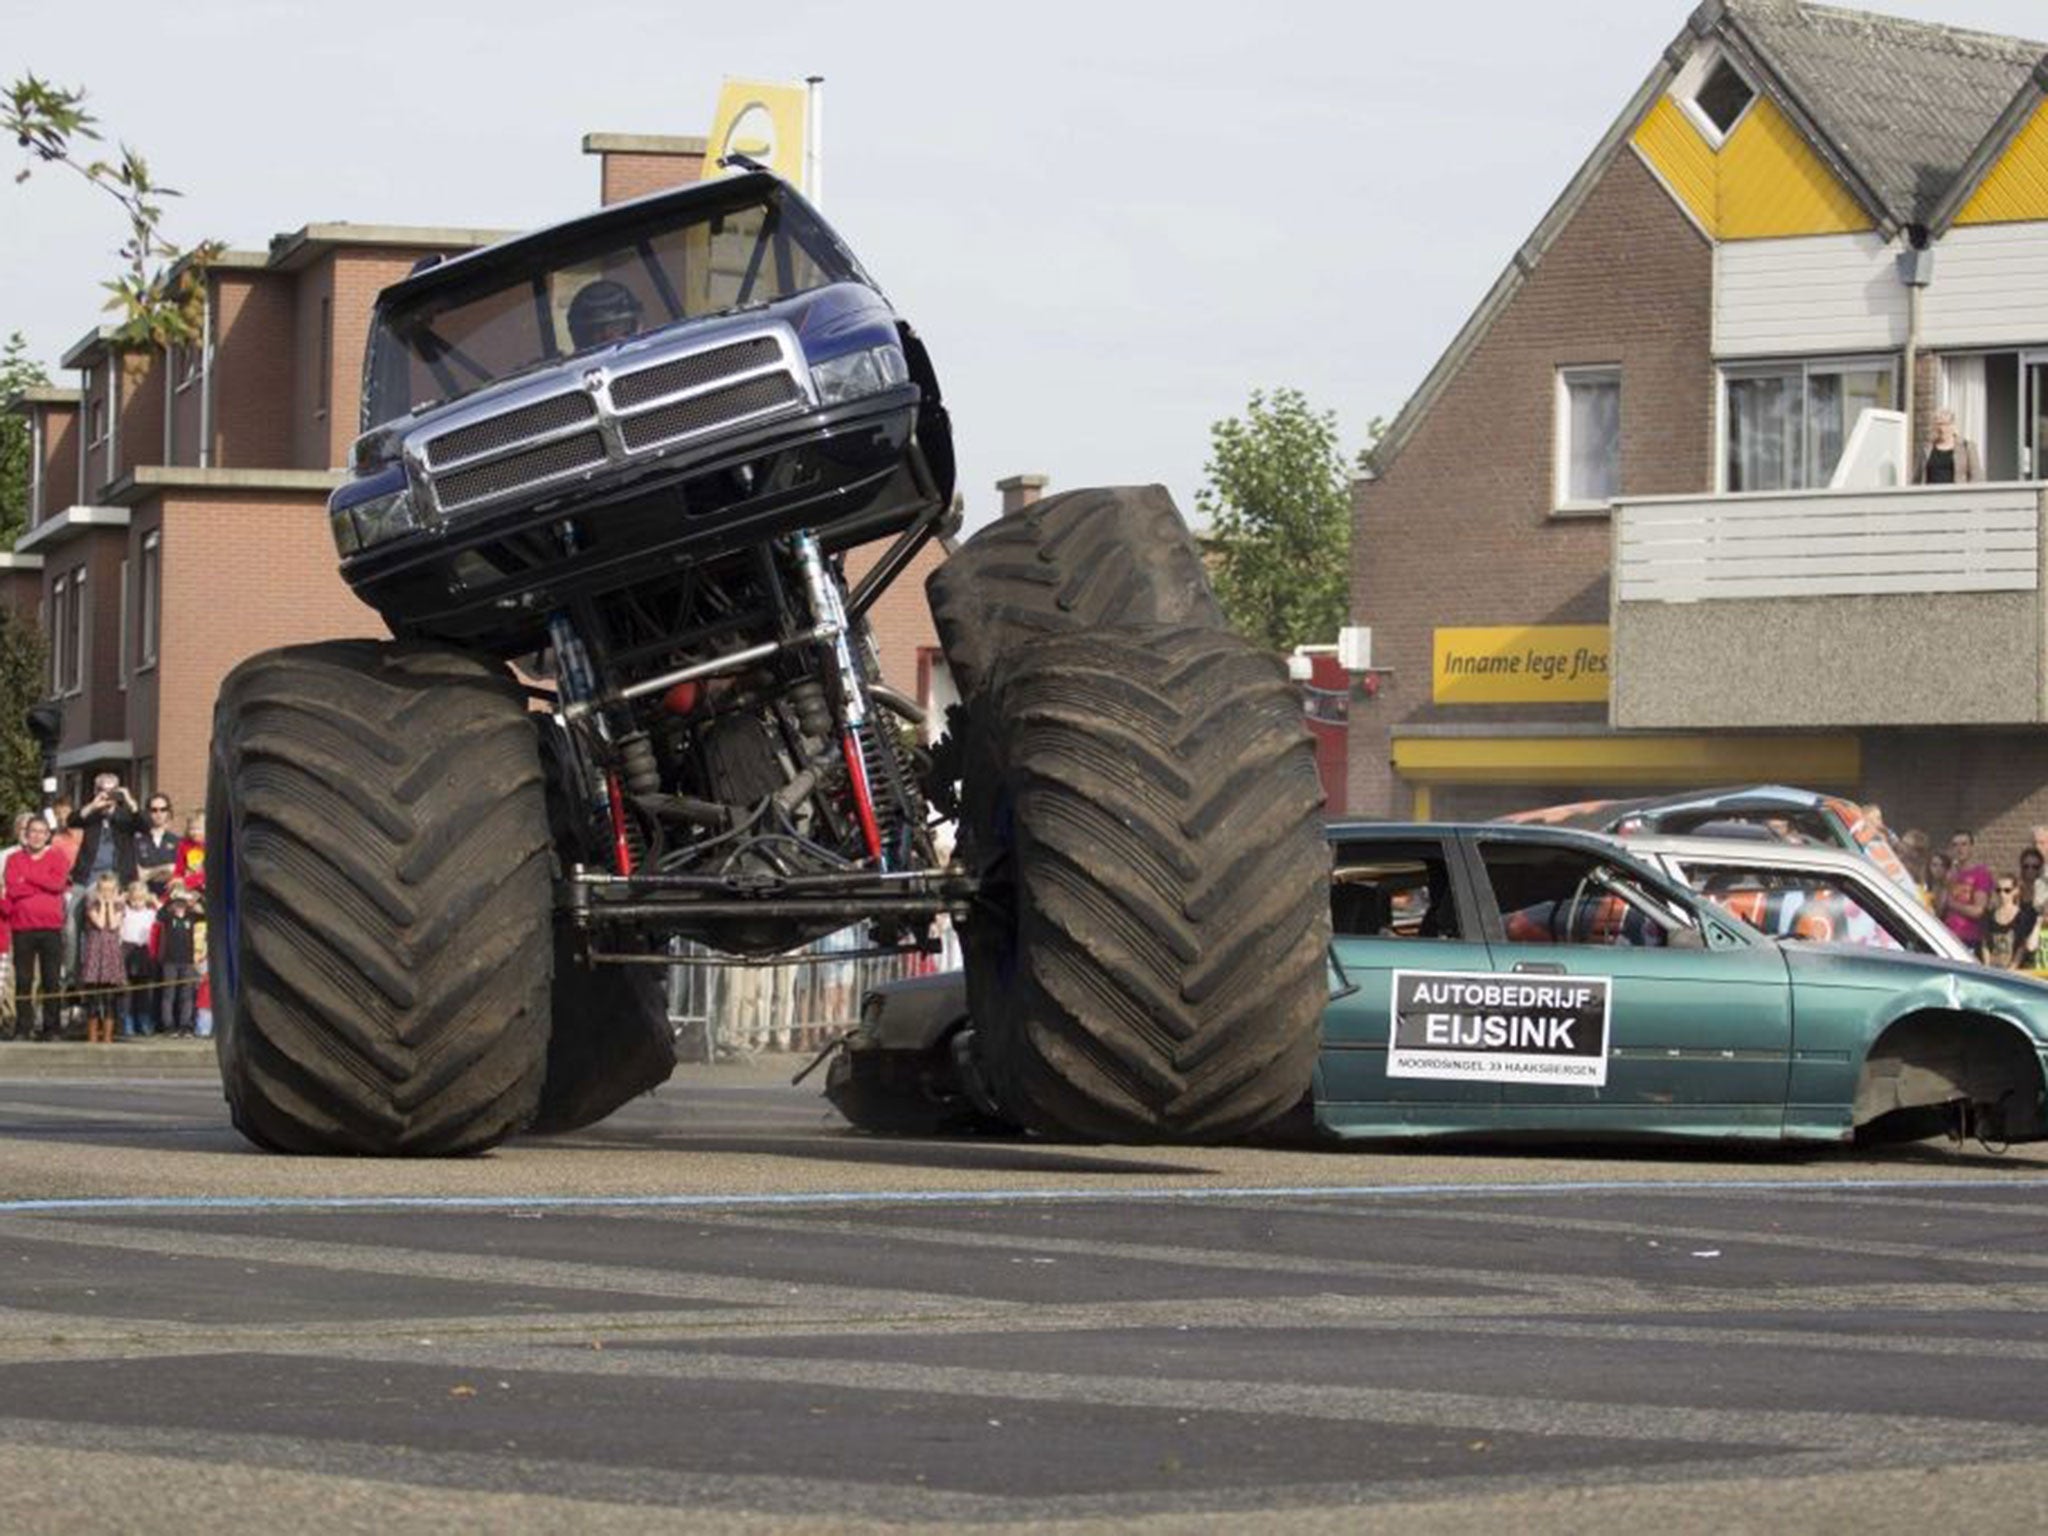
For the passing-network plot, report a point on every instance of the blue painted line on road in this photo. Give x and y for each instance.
(1142, 1194)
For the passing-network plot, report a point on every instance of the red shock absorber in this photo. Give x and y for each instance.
(622, 850)
(863, 799)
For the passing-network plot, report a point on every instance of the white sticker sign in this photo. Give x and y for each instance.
(1478, 1027)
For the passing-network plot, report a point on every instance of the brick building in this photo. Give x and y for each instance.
(1648, 523)
(178, 501)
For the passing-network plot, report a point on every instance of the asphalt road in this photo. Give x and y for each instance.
(723, 1311)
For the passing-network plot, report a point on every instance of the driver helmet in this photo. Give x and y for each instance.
(602, 311)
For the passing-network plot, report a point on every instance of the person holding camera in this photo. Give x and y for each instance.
(106, 825)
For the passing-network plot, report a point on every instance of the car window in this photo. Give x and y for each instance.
(1393, 890)
(1822, 908)
(1567, 896)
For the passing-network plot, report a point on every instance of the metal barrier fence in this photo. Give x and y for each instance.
(724, 1011)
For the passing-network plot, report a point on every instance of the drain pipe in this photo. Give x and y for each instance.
(1916, 271)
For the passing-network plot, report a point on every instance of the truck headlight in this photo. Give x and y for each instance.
(841, 379)
(373, 522)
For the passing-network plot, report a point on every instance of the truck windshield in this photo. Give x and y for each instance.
(591, 284)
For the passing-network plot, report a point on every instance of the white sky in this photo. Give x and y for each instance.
(1111, 221)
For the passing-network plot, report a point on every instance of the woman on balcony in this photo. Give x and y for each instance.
(1950, 459)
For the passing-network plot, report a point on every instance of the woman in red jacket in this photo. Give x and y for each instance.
(32, 888)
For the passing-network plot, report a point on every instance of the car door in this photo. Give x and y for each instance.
(1396, 904)
(1699, 1028)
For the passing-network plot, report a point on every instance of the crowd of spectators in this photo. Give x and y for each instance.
(1996, 913)
(103, 920)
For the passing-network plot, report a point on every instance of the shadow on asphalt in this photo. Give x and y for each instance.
(976, 1155)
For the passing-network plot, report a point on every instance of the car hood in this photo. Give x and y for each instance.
(1921, 981)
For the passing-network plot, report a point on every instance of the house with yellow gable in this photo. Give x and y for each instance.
(1657, 520)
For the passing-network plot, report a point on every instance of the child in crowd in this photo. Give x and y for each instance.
(190, 870)
(174, 945)
(203, 1025)
(101, 969)
(138, 922)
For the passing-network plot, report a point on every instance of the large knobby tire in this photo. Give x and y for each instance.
(1149, 960)
(610, 1041)
(1114, 555)
(380, 900)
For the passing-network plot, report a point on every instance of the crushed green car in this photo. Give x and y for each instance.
(1509, 980)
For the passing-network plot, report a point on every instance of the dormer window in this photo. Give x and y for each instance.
(1724, 96)
(1714, 93)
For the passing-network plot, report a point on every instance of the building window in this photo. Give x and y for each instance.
(80, 620)
(1724, 96)
(151, 594)
(1714, 93)
(324, 386)
(67, 633)
(187, 364)
(121, 651)
(1588, 437)
(59, 606)
(95, 419)
(1785, 424)
(2001, 405)
(36, 449)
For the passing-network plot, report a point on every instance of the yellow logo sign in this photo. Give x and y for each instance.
(763, 120)
(1521, 664)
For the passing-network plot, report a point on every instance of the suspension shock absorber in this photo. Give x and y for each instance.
(640, 774)
(577, 681)
(828, 611)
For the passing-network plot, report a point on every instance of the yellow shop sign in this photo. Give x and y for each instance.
(1521, 664)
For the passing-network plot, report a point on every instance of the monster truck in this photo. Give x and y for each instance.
(608, 477)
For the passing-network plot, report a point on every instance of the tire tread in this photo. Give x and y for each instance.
(392, 872)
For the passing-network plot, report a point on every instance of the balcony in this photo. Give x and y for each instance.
(1912, 605)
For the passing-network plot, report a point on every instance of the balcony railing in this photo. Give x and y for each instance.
(1962, 538)
(1902, 606)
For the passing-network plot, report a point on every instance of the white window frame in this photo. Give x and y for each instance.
(68, 634)
(151, 593)
(121, 651)
(1806, 366)
(36, 449)
(323, 386)
(56, 615)
(1686, 88)
(81, 619)
(1562, 501)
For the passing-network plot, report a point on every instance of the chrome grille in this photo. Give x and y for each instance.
(519, 469)
(550, 415)
(636, 389)
(481, 458)
(714, 408)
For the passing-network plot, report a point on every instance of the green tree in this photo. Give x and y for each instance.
(157, 292)
(23, 682)
(1278, 499)
(18, 371)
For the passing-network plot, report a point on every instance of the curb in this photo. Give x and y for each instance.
(124, 1058)
(22, 1061)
